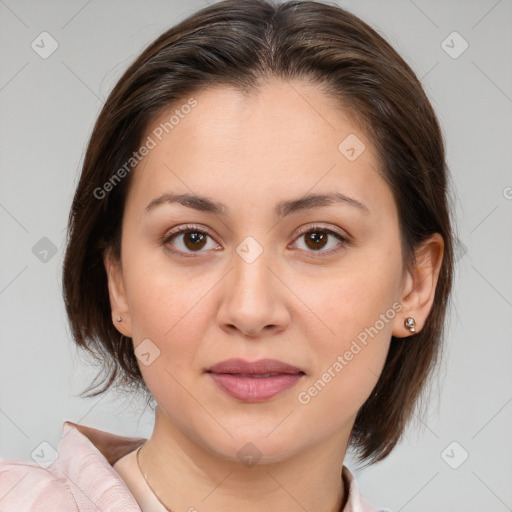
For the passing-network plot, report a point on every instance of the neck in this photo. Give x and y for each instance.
(187, 476)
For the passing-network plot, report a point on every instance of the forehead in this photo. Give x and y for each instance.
(281, 137)
(291, 118)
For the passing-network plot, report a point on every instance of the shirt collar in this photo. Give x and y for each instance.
(85, 458)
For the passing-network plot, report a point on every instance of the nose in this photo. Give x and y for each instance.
(253, 299)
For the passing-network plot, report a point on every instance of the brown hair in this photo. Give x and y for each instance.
(242, 44)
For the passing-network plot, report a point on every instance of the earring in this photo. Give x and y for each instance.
(119, 319)
(410, 324)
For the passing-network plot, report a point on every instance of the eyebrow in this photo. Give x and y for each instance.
(282, 209)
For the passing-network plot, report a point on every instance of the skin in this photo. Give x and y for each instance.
(293, 303)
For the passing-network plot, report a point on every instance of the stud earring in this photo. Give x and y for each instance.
(410, 324)
(119, 319)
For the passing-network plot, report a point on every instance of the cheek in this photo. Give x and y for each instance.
(347, 364)
(168, 308)
(350, 348)
(162, 299)
(353, 301)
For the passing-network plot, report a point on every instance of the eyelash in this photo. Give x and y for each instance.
(302, 231)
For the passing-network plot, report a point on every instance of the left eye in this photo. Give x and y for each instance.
(317, 238)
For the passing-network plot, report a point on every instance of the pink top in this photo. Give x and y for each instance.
(82, 477)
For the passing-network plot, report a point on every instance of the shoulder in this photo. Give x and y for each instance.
(80, 478)
(27, 486)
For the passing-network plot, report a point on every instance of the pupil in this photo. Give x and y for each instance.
(194, 240)
(316, 238)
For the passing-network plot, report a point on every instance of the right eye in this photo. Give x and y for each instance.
(190, 239)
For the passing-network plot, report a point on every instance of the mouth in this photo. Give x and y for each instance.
(255, 381)
(262, 367)
(255, 375)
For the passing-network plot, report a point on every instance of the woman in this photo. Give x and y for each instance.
(260, 242)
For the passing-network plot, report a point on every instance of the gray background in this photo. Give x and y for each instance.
(48, 107)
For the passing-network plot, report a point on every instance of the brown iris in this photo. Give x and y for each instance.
(316, 239)
(194, 240)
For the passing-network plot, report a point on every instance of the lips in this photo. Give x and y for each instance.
(255, 381)
(258, 368)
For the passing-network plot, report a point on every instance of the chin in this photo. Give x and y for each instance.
(252, 446)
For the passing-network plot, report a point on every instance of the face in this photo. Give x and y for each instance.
(260, 271)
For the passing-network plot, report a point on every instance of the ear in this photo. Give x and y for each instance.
(117, 294)
(419, 286)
